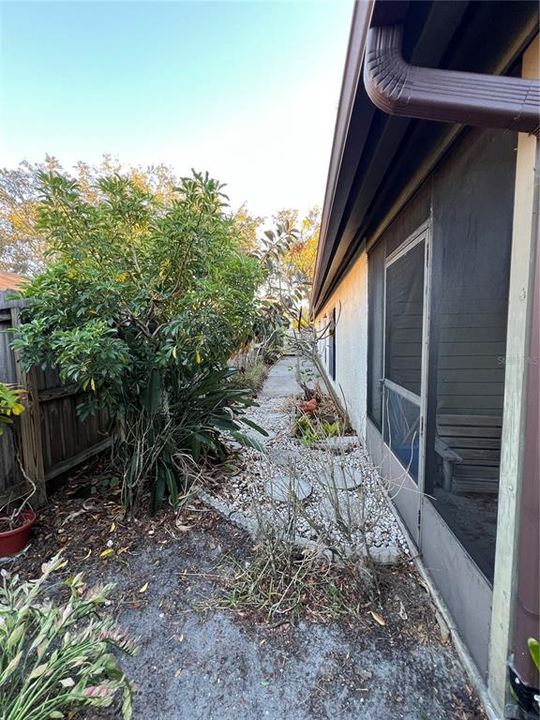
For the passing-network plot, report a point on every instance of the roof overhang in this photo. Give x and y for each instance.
(378, 160)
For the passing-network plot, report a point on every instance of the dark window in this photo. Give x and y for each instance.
(332, 345)
(404, 316)
(403, 356)
(375, 333)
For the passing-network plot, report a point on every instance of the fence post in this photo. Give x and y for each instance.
(30, 425)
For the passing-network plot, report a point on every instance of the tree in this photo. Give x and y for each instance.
(248, 226)
(23, 246)
(303, 253)
(141, 308)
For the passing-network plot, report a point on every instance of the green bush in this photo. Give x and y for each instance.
(141, 307)
(56, 657)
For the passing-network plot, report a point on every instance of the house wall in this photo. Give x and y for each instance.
(350, 302)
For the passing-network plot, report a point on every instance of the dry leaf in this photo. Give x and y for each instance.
(378, 619)
(144, 588)
(113, 527)
(181, 637)
(107, 552)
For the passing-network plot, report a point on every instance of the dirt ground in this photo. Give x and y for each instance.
(197, 662)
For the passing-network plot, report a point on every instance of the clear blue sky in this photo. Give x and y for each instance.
(246, 90)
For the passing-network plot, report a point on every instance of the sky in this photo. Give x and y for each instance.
(246, 90)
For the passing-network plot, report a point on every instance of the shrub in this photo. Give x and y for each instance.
(10, 405)
(142, 306)
(56, 657)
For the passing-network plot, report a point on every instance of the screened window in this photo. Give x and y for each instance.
(375, 333)
(404, 316)
(473, 208)
(404, 313)
(332, 345)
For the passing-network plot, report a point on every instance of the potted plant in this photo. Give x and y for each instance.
(16, 516)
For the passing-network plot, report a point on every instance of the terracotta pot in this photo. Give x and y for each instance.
(13, 541)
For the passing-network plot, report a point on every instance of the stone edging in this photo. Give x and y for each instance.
(386, 557)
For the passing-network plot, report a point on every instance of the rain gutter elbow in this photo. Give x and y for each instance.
(404, 90)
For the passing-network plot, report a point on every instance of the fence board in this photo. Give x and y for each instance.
(51, 436)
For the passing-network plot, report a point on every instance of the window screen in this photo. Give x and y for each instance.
(404, 316)
(473, 195)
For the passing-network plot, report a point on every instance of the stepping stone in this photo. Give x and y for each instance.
(342, 477)
(281, 488)
(341, 443)
(259, 437)
(284, 458)
(386, 555)
(343, 507)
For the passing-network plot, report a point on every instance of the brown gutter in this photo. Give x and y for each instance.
(398, 88)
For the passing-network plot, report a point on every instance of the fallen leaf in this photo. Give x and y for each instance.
(378, 619)
(181, 637)
(144, 588)
(113, 527)
(178, 672)
(107, 552)
(123, 549)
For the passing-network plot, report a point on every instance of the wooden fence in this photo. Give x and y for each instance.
(47, 439)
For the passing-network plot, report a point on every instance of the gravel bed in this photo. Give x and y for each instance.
(364, 510)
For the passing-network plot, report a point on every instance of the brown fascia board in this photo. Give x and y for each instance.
(361, 20)
(398, 88)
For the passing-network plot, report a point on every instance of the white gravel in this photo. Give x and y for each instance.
(351, 520)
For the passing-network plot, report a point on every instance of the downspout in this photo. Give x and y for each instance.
(398, 88)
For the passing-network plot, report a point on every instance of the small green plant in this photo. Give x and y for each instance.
(10, 404)
(534, 652)
(310, 430)
(56, 656)
(331, 429)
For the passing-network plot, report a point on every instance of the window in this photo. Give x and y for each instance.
(332, 345)
(404, 317)
(375, 333)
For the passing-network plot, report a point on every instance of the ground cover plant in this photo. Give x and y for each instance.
(57, 654)
(141, 306)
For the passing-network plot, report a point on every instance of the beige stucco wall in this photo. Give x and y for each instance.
(350, 301)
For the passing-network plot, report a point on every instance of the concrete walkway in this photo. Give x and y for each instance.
(281, 381)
